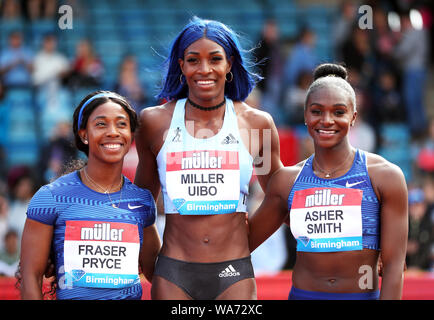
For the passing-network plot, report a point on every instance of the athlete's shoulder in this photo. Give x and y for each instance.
(43, 205)
(382, 171)
(55, 192)
(65, 181)
(380, 164)
(159, 112)
(42, 196)
(284, 178)
(144, 193)
(255, 117)
(154, 121)
(292, 172)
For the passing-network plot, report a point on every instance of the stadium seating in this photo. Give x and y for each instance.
(21, 127)
(395, 146)
(140, 27)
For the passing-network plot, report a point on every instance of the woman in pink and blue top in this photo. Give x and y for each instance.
(98, 226)
(344, 205)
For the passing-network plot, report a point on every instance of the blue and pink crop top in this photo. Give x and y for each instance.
(96, 246)
(341, 214)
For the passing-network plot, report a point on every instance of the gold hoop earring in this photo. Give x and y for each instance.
(232, 76)
(180, 78)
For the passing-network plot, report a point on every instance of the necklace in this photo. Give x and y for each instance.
(329, 174)
(107, 190)
(206, 108)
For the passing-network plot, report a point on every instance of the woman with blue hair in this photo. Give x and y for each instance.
(200, 149)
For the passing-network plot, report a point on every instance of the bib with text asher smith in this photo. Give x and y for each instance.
(327, 219)
(203, 182)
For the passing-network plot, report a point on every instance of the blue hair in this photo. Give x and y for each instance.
(243, 80)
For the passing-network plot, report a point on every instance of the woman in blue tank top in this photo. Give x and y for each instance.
(344, 205)
(199, 149)
(95, 224)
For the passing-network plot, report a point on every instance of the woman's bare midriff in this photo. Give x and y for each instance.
(337, 272)
(212, 238)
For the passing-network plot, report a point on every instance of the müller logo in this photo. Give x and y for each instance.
(201, 160)
(101, 231)
(324, 197)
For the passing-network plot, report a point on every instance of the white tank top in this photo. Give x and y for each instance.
(204, 176)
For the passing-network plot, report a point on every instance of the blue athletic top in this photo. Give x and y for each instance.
(325, 207)
(204, 176)
(96, 245)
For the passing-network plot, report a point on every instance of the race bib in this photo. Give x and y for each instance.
(203, 182)
(327, 219)
(101, 254)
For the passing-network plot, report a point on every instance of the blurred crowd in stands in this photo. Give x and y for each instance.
(390, 67)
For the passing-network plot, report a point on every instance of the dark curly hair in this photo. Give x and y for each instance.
(49, 287)
(134, 122)
(330, 69)
(331, 74)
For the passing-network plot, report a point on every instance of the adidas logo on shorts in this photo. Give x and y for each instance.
(229, 272)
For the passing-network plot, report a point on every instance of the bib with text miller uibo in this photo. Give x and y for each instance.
(101, 254)
(203, 182)
(327, 219)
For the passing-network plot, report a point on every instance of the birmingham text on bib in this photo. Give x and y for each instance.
(327, 219)
(101, 254)
(203, 182)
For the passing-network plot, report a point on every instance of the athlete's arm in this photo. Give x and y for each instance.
(35, 250)
(269, 154)
(147, 172)
(149, 251)
(273, 210)
(394, 229)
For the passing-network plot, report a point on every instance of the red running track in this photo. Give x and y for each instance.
(417, 286)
